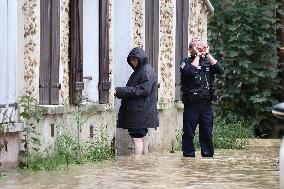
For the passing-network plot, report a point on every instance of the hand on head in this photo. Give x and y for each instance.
(197, 47)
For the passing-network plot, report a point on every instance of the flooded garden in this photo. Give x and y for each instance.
(256, 166)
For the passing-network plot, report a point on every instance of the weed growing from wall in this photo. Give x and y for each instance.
(31, 113)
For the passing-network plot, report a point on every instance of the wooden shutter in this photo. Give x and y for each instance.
(8, 60)
(55, 51)
(76, 51)
(104, 83)
(181, 51)
(152, 32)
(49, 52)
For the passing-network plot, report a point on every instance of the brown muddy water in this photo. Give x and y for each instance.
(241, 169)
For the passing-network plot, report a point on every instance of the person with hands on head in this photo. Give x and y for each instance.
(138, 110)
(198, 91)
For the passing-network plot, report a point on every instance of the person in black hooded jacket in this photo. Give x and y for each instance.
(138, 110)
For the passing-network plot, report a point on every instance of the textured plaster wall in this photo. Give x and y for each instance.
(167, 51)
(111, 53)
(9, 158)
(197, 20)
(197, 29)
(64, 123)
(138, 26)
(64, 45)
(31, 11)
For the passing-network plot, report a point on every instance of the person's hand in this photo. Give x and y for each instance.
(206, 51)
(196, 51)
(114, 93)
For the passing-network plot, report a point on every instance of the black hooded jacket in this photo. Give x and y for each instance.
(139, 97)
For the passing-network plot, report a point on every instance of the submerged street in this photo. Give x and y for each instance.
(254, 167)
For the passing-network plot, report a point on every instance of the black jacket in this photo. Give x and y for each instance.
(194, 80)
(139, 97)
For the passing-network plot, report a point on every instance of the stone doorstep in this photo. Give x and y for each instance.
(12, 127)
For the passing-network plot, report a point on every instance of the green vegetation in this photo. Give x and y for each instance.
(243, 37)
(66, 150)
(31, 113)
(2, 174)
(68, 147)
(230, 132)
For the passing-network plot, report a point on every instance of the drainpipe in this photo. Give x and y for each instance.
(209, 6)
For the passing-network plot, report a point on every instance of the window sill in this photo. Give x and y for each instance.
(11, 127)
(173, 105)
(84, 108)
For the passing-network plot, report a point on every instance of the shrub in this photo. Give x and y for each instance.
(229, 132)
(243, 36)
(66, 150)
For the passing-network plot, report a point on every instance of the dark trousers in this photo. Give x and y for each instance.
(201, 114)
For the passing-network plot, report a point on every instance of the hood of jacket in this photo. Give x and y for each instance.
(139, 53)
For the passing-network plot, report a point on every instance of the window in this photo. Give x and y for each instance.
(152, 32)
(104, 83)
(49, 85)
(8, 59)
(76, 51)
(96, 81)
(182, 13)
(91, 50)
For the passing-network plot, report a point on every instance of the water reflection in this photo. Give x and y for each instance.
(253, 168)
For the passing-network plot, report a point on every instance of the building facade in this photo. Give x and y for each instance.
(70, 53)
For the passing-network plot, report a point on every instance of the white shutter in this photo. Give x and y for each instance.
(91, 49)
(8, 58)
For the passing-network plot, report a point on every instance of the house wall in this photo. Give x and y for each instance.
(31, 11)
(138, 21)
(198, 18)
(170, 112)
(127, 30)
(64, 48)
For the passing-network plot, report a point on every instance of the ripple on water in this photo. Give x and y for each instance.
(251, 168)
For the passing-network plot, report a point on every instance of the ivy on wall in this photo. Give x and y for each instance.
(243, 37)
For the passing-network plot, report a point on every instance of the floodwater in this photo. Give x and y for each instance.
(256, 167)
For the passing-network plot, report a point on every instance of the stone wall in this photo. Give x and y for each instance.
(138, 26)
(31, 46)
(167, 51)
(197, 20)
(111, 54)
(102, 121)
(64, 45)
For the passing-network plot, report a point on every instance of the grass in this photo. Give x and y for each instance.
(67, 150)
(2, 174)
